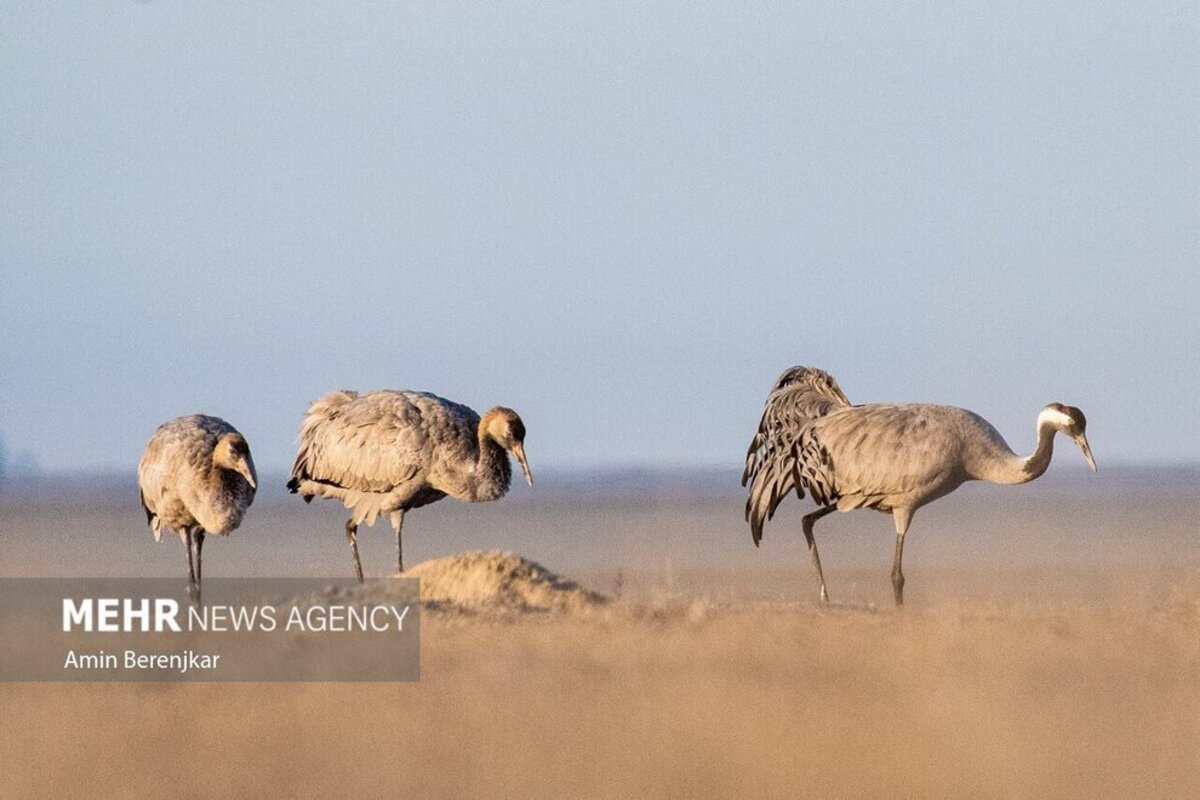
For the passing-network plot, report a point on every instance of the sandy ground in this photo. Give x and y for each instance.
(1077, 676)
(677, 697)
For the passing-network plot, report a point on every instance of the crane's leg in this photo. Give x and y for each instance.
(902, 517)
(807, 523)
(398, 523)
(199, 561)
(193, 587)
(352, 538)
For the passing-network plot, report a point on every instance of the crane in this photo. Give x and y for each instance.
(892, 458)
(196, 477)
(390, 451)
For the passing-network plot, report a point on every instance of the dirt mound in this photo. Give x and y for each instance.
(479, 581)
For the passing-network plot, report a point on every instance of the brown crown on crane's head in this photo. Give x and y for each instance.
(1071, 421)
(504, 426)
(233, 453)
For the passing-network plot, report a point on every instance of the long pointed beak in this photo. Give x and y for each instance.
(518, 450)
(1082, 441)
(245, 468)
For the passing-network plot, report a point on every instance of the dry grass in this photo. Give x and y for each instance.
(1050, 648)
(989, 696)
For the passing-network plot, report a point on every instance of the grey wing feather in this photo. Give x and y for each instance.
(166, 473)
(152, 483)
(367, 450)
(773, 469)
(880, 456)
(370, 443)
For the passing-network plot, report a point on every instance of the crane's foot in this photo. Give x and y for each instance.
(824, 596)
(194, 594)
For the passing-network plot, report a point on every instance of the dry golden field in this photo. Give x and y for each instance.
(1067, 664)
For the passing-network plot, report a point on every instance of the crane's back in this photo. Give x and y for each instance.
(899, 455)
(380, 441)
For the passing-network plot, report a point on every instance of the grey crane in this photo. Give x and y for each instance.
(892, 458)
(390, 451)
(196, 477)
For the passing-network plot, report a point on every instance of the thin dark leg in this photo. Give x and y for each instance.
(398, 523)
(199, 560)
(897, 574)
(807, 523)
(352, 538)
(193, 586)
(902, 518)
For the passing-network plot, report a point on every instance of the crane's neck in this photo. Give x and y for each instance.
(1039, 461)
(1022, 470)
(493, 472)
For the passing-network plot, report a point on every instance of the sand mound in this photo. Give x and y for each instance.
(479, 581)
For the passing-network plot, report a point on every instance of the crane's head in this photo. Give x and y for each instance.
(1071, 421)
(233, 453)
(505, 427)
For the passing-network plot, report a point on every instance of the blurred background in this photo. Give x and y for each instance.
(623, 220)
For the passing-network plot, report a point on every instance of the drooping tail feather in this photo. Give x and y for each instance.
(320, 411)
(800, 395)
(364, 507)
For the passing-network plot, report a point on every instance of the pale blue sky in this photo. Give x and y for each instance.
(624, 220)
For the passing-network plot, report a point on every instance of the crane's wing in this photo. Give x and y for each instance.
(367, 443)
(378, 441)
(876, 455)
(151, 482)
(800, 395)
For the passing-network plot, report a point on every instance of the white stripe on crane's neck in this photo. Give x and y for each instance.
(1054, 417)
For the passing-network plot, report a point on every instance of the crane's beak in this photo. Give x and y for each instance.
(245, 468)
(518, 450)
(1086, 449)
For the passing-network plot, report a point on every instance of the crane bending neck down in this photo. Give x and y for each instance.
(1054, 418)
(500, 432)
(390, 451)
